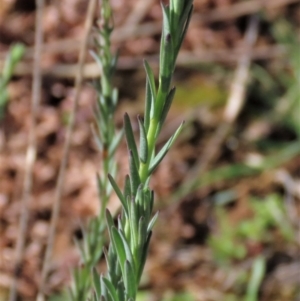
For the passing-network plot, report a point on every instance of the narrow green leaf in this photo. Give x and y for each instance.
(150, 77)
(101, 126)
(119, 247)
(80, 247)
(144, 256)
(152, 222)
(164, 150)
(112, 167)
(166, 19)
(71, 294)
(100, 121)
(185, 14)
(97, 58)
(177, 6)
(151, 199)
(96, 282)
(129, 256)
(130, 140)
(142, 234)
(95, 297)
(182, 36)
(112, 264)
(120, 291)
(149, 107)
(115, 97)
(133, 218)
(118, 192)
(257, 275)
(15, 54)
(134, 174)
(166, 107)
(115, 143)
(127, 187)
(148, 199)
(122, 222)
(139, 200)
(130, 280)
(107, 257)
(114, 62)
(166, 54)
(101, 185)
(150, 95)
(111, 289)
(143, 142)
(122, 249)
(103, 106)
(109, 220)
(97, 140)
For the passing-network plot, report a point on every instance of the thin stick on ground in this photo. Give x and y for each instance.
(61, 175)
(31, 150)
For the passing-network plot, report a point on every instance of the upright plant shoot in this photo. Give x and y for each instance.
(129, 239)
(107, 141)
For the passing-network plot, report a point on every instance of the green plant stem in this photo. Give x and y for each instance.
(130, 239)
(151, 137)
(15, 54)
(258, 272)
(152, 134)
(93, 239)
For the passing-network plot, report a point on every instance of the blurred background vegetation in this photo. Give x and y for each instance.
(228, 193)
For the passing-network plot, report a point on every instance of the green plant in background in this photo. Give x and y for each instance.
(230, 242)
(256, 277)
(14, 56)
(269, 212)
(107, 141)
(224, 243)
(253, 281)
(129, 239)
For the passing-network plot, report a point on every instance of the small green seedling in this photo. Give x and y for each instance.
(15, 54)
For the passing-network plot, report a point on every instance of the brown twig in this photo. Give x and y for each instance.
(61, 175)
(31, 149)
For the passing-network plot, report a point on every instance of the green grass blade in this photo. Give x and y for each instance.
(143, 142)
(130, 139)
(164, 150)
(130, 280)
